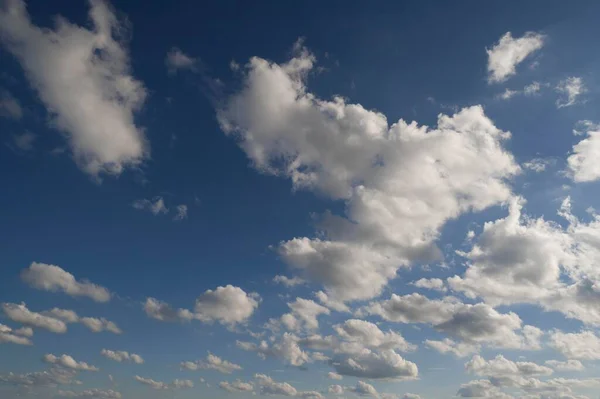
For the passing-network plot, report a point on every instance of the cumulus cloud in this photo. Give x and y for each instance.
(227, 305)
(68, 362)
(303, 315)
(286, 348)
(83, 78)
(159, 385)
(18, 337)
(364, 334)
(55, 279)
(212, 362)
(501, 367)
(571, 88)
(66, 315)
(268, 386)
(237, 386)
(334, 376)
(177, 60)
(181, 212)
(509, 52)
(481, 389)
(9, 105)
(538, 164)
(435, 284)
(122, 356)
(363, 389)
(400, 175)
(447, 345)
(385, 364)
(162, 311)
(156, 206)
(91, 394)
(584, 345)
(569, 365)
(288, 281)
(335, 390)
(582, 162)
(56, 376)
(19, 313)
(100, 324)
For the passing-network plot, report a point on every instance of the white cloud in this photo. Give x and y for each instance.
(303, 315)
(227, 305)
(50, 378)
(334, 376)
(68, 362)
(162, 311)
(532, 89)
(435, 284)
(509, 52)
(385, 364)
(508, 94)
(18, 337)
(159, 385)
(68, 316)
(500, 367)
(335, 390)
(286, 348)
(181, 212)
(367, 335)
(538, 164)
(212, 362)
(584, 345)
(99, 325)
(91, 394)
(83, 78)
(331, 303)
(582, 163)
(236, 386)
(571, 88)
(122, 356)
(383, 173)
(363, 389)
(155, 206)
(55, 279)
(569, 365)
(270, 387)
(481, 389)
(9, 105)
(289, 281)
(459, 349)
(177, 59)
(20, 314)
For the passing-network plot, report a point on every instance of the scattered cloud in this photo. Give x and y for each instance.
(68, 362)
(19, 313)
(212, 362)
(177, 60)
(122, 356)
(571, 89)
(18, 337)
(155, 206)
(509, 52)
(582, 162)
(90, 394)
(159, 385)
(237, 386)
(181, 212)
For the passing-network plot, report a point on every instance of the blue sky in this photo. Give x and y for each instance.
(317, 201)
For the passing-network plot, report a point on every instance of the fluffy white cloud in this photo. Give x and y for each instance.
(83, 78)
(227, 305)
(569, 365)
(286, 348)
(584, 345)
(509, 52)
(501, 367)
(91, 394)
(50, 378)
(481, 389)
(399, 175)
(270, 387)
(177, 59)
(18, 337)
(99, 325)
(156, 206)
(582, 162)
(303, 315)
(436, 284)
(288, 281)
(334, 376)
(20, 314)
(159, 385)
(66, 315)
(571, 88)
(335, 390)
(237, 386)
(386, 364)
(162, 311)
(538, 164)
(459, 349)
(366, 334)
(68, 362)
(9, 105)
(181, 212)
(212, 362)
(55, 279)
(122, 356)
(363, 389)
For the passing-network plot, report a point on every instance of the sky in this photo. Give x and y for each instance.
(390, 200)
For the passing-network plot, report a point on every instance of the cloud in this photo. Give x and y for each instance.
(569, 365)
(83, 78)
(99, 325)
(382, 172)
(571, 88)
(335, 390)
(538, 164)
(55, 279)
(435, 284)
(68, 362)
(20, 314)
(385, 364)
(159, 385)
(177, 60)
(363, 389)
(500, 367)
(270, 387)
(212, 362)
(18, 337)
(68, 316)
(582, 162)
(56, 376)
(91, 394)
(237, 386)
(122, 356)
(481, 389)
(584, 345)
(162, 311)
(532, 89)
(155, 206)
(365, 334)
(181, 212)
(334, 376)
(9, 105)
(509, 52)
(459, 349)
(22, 142)
(227, 305)
(289, 281)
(303, 315)
(286, 348)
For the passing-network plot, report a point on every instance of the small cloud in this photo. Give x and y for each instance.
(177, 59)
(532, 89)
(155, 206)
(181, 212)
(507, 94)
(509, 52)
(22, 142)
(571, 88)
(234, 66)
